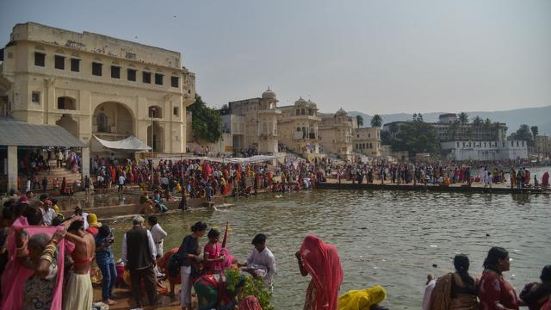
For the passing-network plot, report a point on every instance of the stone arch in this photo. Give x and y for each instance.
(113, 118)
(155, 137)
(66, 121)
(66, 103)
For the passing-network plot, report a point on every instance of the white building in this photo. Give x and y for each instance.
(485, 150)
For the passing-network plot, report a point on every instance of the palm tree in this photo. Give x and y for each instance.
(477, 121)
(463, 118)
(376, 121)
(360, 121)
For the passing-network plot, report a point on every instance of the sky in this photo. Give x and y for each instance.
(371, 56)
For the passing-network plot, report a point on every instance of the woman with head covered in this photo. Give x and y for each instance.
(321, 261)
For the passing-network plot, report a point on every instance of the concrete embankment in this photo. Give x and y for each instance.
(434, 188)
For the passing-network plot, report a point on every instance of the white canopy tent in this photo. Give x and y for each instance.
(131, 143)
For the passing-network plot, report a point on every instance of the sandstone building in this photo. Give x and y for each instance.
(96, 85)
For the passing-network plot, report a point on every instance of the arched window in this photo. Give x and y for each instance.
(155, 112)
(102, 122)
(66, 103)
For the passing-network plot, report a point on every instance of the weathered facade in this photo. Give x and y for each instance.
(253, 123)
(335, 132)
(91, 84)
(298, 127)
(367, 141)
(486, 150)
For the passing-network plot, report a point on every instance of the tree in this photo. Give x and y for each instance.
(523, 133)
(477, 121)
(360, 121)
(376, 121)
(487, 123)
(206, 122)
(416, 137)
(535, 131)
(463, 118)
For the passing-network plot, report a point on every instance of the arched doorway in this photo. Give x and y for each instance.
(155, 137)
(112, 121)
(67, 122)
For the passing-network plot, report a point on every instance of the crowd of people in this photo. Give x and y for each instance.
(460, 290)
(443, 173)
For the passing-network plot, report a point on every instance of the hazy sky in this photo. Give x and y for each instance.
(381, 56)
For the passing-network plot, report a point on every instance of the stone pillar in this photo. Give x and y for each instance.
(85, 161)
(12, 167)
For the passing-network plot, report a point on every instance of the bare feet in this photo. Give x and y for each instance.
(109, 302)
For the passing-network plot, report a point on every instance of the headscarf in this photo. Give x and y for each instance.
(362, 299)
(322, 262)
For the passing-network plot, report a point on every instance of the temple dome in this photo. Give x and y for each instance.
(268, 94)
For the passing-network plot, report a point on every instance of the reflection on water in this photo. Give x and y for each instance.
(384, 237)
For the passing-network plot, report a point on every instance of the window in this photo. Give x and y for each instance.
(146, 76)
(115, 72)
(75, 64)
(66, 103)
(35, 97)
(39, 59)
(176, 111)
(131, 74)
(174, 81)
(102, 122)
(59, 62)
(155, 112)
(96, 68)
(158, 79)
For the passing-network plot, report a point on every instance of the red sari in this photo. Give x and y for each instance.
(322, 262)
(494, 289)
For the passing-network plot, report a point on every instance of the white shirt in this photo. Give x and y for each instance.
(158, 234)
(263, 260)
(151, 244)
(428, 292)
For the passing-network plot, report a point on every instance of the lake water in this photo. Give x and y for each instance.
(384, 237)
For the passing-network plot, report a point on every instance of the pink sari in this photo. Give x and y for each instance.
(15, 274)
(322, 262)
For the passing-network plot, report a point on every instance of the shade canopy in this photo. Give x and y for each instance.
(128, 144)
(19, 133)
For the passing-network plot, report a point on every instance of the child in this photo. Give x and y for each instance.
(213, 258)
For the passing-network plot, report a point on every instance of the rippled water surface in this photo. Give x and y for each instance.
(384, 237)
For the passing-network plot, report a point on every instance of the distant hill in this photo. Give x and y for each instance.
(540, 117)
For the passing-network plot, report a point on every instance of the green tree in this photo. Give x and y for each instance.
(360, 121)
(416, 137)
(477, 121)
(535, 131)
(206, 122)
(523, 133)
(463, 118)
(376, 121)
(487, 123)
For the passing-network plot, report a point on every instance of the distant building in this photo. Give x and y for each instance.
(298, 127)
(367, 141)
(543, 145)
(448, 128)
(253, 123)
(335, 133)
(485, 150)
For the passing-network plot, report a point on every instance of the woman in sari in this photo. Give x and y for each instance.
(464, 288)
(495, 292)
(321, 261)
